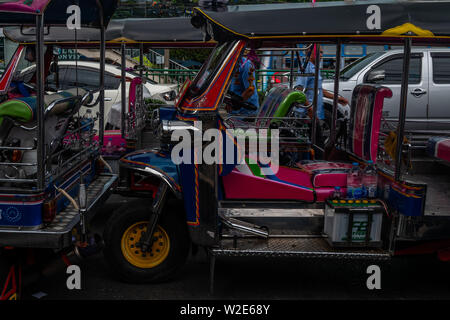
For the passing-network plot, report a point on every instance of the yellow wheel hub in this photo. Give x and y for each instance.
(134, 255)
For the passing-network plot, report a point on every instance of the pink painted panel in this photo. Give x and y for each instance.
(241, 186)
(294, 176)
(116, 139)
(382, 93)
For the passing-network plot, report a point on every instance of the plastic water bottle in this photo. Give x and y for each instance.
(109, 149)
(354, 182)
(337, 195)
(370, 180)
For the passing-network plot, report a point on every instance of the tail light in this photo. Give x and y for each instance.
(49, 211)
(16, 156)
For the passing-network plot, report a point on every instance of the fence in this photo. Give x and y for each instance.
(265, 78)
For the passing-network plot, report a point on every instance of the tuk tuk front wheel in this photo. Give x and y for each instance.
(161, 262)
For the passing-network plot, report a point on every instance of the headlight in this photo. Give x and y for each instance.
(170, 95)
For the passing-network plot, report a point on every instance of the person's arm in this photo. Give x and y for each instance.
(329, 95)
(248, 78)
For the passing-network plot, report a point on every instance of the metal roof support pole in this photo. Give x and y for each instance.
(316, 85)
(337, 74)
(41, 168)
(141, 60)
(291, 78)
(102, 86)
(403, 105)
(124, 93)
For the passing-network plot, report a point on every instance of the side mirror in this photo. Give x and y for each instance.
(376, 76)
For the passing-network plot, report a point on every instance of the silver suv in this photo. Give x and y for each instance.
(429, 85)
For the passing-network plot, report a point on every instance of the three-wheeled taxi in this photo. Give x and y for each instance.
(52, 177)
(240, 204)
(128, 123)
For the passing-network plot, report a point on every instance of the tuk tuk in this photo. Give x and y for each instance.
(249, 207)
(52, 178)
(125, 123)
(130, 121)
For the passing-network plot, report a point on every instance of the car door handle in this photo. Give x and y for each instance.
(107, 99)
(417, 92)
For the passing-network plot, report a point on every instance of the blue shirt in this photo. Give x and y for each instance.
(240, 83)
(308, 85)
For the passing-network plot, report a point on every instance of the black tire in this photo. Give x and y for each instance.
(175, 228)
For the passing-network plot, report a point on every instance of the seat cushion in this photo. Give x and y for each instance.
(439, 147)
(326, 173)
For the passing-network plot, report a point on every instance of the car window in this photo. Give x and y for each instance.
(354, 67)
(111, 82)
(441, 67)
(81, 77)
(51, 79)
(88, 78)
(393, 69)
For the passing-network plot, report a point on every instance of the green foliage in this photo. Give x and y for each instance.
(153, 103)
(200, 54)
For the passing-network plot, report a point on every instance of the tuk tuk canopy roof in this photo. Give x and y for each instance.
(161, 32)
(94, 13)
(356, 19)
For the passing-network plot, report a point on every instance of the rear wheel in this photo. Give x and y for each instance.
(167, 255)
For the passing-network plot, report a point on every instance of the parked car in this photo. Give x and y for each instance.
(85, 74)
(429, 85)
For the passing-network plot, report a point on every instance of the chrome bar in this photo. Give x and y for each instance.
(18, 148)
(403, 105)
(18, 164)
(19, 181)
(337, 73)
(124, 94)
(316, 86)
(40, 100)
(291, 78)
(102, 86)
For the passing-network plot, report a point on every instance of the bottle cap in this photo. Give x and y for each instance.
(370, 161)
(365, 201)
(342, 201)
(337, 188)
(355, 163)
(358, 201)
(350, 201)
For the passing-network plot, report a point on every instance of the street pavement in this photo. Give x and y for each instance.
(255, 278)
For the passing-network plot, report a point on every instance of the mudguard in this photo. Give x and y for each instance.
(157, 163)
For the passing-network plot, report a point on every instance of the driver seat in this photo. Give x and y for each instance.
(277, 103)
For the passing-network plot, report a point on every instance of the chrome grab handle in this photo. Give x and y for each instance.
(417, 92)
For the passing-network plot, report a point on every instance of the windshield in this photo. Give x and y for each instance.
(209, 69)
(350, 70)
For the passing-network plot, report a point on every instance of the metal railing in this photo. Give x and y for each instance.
(265, 78)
